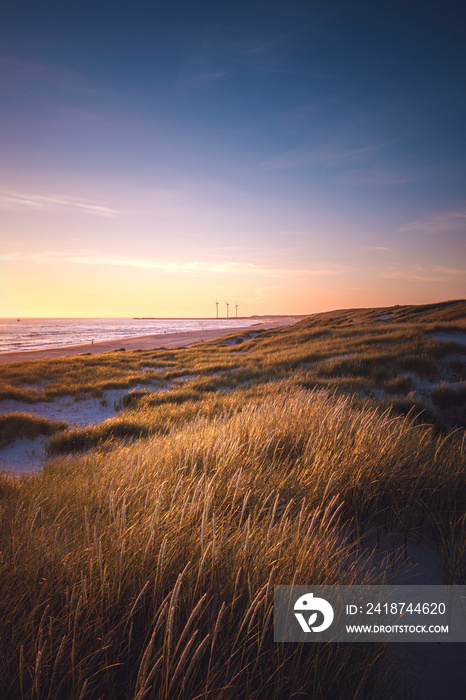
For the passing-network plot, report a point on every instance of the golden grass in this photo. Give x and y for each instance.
(19, 425)
(331, 346)
(121, 567)
(144, 567)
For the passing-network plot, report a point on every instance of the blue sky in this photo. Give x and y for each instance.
(293, 157)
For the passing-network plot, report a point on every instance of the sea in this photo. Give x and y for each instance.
(41, 333)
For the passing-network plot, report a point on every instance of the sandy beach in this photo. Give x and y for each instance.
(167, 340)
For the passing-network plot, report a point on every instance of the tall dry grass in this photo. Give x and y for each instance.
(144, 567)
(147, 570)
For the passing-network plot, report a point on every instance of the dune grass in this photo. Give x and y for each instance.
(446, 395)
(329, 347)
(20, 425)
(120, 567)
(140, 563)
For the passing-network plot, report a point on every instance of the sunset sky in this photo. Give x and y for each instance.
(291, 157)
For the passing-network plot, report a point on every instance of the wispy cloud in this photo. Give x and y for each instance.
(224, 51)
(423, 273)
(327, 76)
(200, 80)
(20, 200)
(444, 222)
(223, 267)
(203, 69)
(85, 116)
(19, 69)
(229, 268)
(261, 293)
(9, 256)
(368, 177)
(304, 112)
(258, 53)
(327, 157)
(287, 71)
(195, 266)
(294, 277)
(381, 248)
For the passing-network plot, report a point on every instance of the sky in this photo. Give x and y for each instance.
(289, 157)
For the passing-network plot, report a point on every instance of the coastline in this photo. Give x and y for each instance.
(145, 342)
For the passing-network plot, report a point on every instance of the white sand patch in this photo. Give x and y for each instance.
(237, 340)
(424, 670)
(28, 455)
(78, 412)
(421, 670)
(407, 562)
(23, 456)
(384, 317)
(427, 670)
(458, 337)
(379, 394)
(244, 346)
(422, 386)
(37, 386)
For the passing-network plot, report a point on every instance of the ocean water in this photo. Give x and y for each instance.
(39, 333)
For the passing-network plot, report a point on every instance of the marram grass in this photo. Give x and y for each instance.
(147, 571)
(19, 425)
(142, 564)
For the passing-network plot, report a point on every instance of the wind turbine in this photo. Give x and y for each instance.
(236, 307)
(216, 304)
(227, 308)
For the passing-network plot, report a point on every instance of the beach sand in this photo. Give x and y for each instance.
(144, 342)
